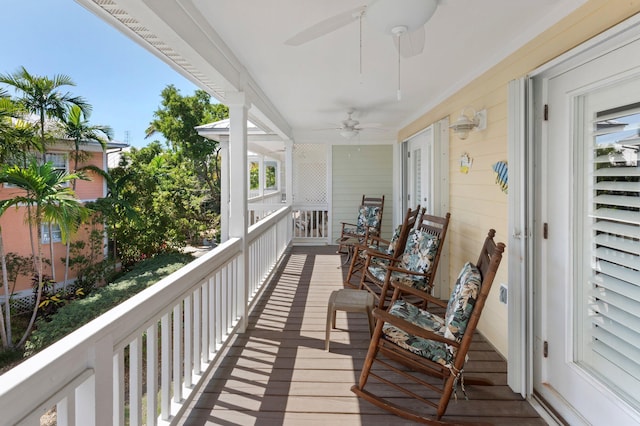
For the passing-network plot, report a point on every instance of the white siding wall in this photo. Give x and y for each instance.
(357, 170)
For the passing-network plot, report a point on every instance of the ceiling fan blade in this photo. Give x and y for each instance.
(411, 44)
(325, 27)
(372, 129)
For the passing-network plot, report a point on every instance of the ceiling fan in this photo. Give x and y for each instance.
(403, 19)
(350, 127)
(399, 18)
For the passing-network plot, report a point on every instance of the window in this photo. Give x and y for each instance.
(59, 161)
(271, 175)
(55, 231)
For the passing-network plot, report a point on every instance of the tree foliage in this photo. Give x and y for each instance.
(46, 192)
(43, 96)
(164, 193)
(176, 119)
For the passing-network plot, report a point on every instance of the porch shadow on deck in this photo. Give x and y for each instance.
(278, 372)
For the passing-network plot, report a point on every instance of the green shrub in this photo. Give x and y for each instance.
(74, 315)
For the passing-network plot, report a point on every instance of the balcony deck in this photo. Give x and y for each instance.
(278, 372)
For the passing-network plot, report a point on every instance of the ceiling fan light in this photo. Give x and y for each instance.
(348, 133)
(385, 15)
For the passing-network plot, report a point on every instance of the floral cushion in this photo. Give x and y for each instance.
(420, 250)
(452, 326)
(462, 300)
(378, 271)
(435, 351)
(416, 281)
(394, 240)
(418, 256)
(368, 217)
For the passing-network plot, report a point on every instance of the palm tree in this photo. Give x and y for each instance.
(17, 136)
(42, 96)
(5, 319)
(46, 191)
(114, 208)
(76, 127)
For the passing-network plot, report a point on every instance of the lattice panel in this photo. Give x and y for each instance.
(22, 304)
(309, 174)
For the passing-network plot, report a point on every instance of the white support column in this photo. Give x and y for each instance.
(224, 191)
(261, 177)
(288, 170)
(278, 176)
(238, 206)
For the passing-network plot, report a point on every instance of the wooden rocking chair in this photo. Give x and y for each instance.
(369, 221)
(376, 245)
(416, 265)
(425, 343)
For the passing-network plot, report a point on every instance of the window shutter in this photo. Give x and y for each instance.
(614, 273)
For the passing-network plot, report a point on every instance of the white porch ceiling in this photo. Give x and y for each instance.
(225, 45)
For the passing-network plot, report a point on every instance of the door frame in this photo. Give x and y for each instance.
(526, 127)
(439, 188)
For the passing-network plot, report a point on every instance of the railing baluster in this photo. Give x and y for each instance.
(213, 313)
(152, 374)
(224, 306)
(219, 310)
(118, 388)
(235, 287)
(197, 336)
(188, 341)
(66, 410)
(165, 366)
(205, 332)
(177, 352)
(135, 382)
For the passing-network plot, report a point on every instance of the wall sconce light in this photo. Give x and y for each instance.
(465, 123)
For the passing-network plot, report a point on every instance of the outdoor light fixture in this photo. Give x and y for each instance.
(465, 123)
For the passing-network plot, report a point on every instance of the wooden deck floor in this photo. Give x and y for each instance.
(278, 372)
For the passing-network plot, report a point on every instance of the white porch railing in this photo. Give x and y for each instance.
(310, 223)
(261, 206)
(172, 333)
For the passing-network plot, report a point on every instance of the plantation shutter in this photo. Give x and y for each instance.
(612, 332)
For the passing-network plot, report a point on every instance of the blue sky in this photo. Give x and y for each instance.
(120, 79)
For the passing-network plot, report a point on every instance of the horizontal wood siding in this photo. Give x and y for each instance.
(477, 203)
(357, 170)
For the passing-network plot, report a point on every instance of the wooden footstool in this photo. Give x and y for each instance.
(348, 300)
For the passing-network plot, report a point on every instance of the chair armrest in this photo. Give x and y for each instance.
(375, 239)
(412, 329)
(405, 271)
(405, 289)
(380, 255)
(348, 224)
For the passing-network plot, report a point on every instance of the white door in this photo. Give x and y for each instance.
(587, 242)
(419, 171)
